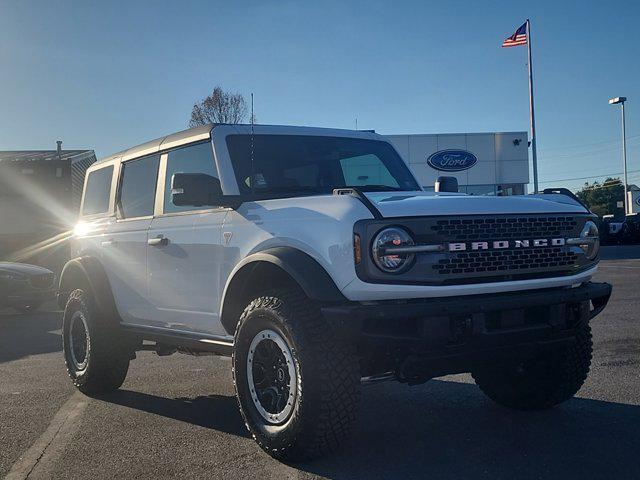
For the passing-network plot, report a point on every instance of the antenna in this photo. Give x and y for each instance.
(252, 146)
(356, 123)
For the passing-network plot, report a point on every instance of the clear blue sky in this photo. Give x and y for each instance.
(108, 75)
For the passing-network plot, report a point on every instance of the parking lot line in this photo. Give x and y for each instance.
(38, 460)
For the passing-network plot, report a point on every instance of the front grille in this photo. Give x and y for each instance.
(506, 261)
(42, 281)
(489, 260)
(504, 228)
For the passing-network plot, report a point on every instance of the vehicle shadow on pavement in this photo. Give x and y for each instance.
(447, 429)
(219, 412)
(34, 333)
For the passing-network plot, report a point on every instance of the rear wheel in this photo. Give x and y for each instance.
(297, 382)
(96, 352)
(541, 382)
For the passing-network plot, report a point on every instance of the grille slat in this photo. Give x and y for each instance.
(503, 260)
(504, 228)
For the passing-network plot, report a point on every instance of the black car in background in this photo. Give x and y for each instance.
(25, 287)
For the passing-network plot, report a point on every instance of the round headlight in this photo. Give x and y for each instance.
(387, 250)
(590, 234)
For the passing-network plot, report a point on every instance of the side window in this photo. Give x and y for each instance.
(192, 159)
(366, 170)
(138, 187)
(96, 194)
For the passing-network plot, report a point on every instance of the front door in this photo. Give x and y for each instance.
(185, 250)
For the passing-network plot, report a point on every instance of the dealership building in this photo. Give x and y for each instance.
(484, 163)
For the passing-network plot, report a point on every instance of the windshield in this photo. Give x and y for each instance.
(299, 164)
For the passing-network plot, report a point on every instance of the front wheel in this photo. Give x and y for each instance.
(95, 351)
(297, 382)
(540, 382)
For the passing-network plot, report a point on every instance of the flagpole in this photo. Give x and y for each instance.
(532, 116)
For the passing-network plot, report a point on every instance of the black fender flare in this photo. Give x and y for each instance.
(313, 279)
(88, 273)
(299, 266)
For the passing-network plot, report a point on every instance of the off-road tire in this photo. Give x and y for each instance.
(327, 372)
(107, 352)
(541, 382)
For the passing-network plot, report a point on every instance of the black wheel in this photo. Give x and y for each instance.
(297, 382)
(95, 351)
(541, 382)
(28, 307)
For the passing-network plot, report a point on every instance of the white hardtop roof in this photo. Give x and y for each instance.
(204, 132)
(168, 141)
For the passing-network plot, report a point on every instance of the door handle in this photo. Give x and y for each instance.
(108, 243)
(159, 241)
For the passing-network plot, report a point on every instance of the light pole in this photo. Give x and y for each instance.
(615, 101)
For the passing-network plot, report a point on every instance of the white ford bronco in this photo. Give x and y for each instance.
(314, 258)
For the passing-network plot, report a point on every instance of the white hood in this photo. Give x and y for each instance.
(413, 204)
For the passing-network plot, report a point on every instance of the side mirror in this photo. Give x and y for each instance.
(446, 184)
(195, 189)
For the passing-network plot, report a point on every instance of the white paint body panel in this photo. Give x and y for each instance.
(124, 257)
(415, 204)
(320, 226)
(183, 276)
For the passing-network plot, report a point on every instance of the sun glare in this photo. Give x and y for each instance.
(81, 229)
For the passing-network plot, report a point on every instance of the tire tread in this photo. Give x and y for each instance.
(335, 362)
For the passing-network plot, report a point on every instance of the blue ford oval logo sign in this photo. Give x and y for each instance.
(452, 160)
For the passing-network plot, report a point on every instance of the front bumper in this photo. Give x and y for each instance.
(449, 335)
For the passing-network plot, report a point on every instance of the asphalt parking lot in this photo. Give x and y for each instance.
(177, 417)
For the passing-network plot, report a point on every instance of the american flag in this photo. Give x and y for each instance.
(518, 38)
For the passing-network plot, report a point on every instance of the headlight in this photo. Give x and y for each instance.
(589, 240)
(388, 252)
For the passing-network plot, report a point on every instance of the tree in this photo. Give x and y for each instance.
(219, 107)
(602, 199)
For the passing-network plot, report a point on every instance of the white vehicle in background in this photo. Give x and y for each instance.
(315, 260)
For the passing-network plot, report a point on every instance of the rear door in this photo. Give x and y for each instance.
(124, 248)
(185, 252)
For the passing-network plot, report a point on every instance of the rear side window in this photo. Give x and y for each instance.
(96, 194)
(138, 187)
(192, 159)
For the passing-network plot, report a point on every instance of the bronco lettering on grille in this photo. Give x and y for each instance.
(502, 244)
